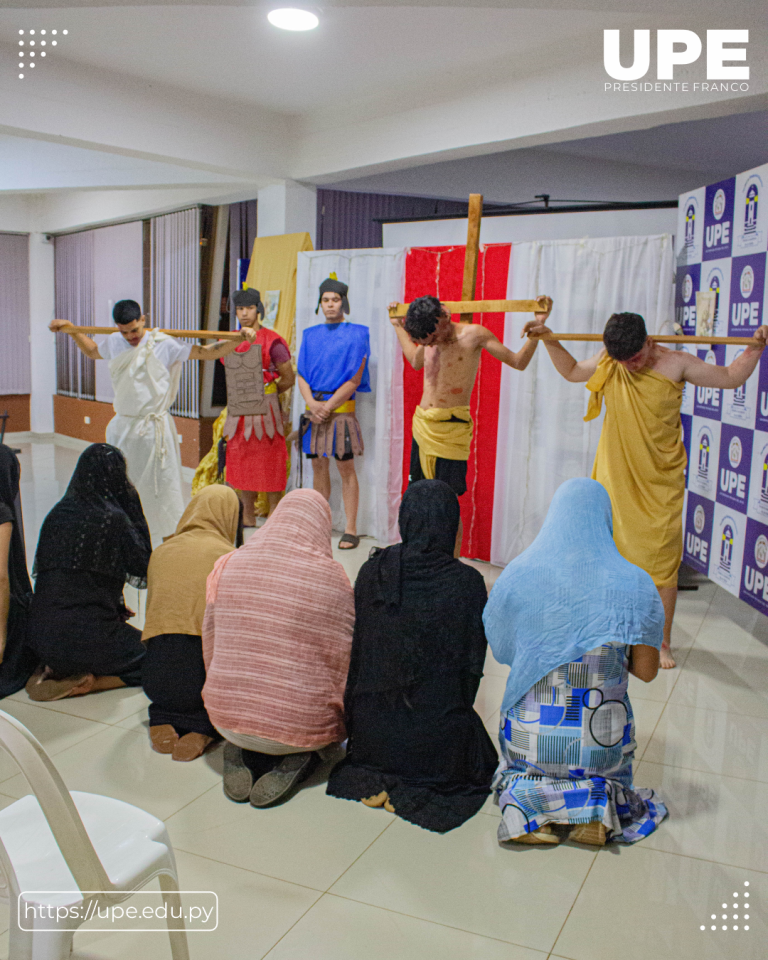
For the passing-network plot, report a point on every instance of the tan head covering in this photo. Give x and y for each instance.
(179, 567)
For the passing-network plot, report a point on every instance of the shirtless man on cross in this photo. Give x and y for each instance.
(449, 354)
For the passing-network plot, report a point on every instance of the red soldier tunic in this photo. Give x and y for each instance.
(256, 454)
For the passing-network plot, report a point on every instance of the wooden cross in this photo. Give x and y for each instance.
(468, 306)
(194, 334)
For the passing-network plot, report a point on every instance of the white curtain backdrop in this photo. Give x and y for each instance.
(375, 277)
(542, 438)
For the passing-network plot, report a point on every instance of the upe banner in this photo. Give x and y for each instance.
(721, 246)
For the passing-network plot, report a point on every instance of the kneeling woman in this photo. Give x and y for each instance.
(173, 671)
(93, 542)
(573, 619)
(276, 640)
(416, 745)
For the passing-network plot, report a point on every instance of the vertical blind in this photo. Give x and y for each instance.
(14, 313)
(176, 291)
(73, 258)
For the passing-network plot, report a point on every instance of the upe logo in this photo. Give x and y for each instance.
(726, 548)
(750, 208)
(667, 57)
(718, 204)
(705, 448)
(734, 452)
(690, 230)
(699, 518)
(764, 480)
(687, 287)
(761, 551)
(747, 281)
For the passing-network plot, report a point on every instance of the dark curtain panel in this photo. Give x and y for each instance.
(346, 220)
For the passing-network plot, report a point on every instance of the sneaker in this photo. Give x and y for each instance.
(273, 786)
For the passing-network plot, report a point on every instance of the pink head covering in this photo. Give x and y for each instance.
(278, 630)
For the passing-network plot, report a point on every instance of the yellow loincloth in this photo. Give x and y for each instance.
(641, 463)
(439, 436)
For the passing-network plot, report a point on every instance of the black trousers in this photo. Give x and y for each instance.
(173, 674)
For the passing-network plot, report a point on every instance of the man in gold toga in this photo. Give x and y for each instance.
(640, 457)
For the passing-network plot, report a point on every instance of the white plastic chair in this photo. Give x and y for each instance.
(75, 843)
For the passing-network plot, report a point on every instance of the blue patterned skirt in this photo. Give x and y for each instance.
(567, 748)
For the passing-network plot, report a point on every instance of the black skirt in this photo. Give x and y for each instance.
(426, 747)
(77, 625)
(173, 675)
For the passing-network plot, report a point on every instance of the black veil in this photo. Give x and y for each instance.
(98, 525)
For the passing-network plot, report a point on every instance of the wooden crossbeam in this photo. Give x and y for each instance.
(193, 334)
(468, 307)
(661, 338)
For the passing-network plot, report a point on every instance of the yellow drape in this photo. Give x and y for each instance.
(641, 463)
(438, 435)
(208, 468)
(273, 267)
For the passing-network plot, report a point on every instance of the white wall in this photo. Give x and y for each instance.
(550, 226)
(15, 214)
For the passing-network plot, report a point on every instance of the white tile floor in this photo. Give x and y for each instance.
(324, 879)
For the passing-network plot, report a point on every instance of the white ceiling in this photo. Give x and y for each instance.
(383, 54)
(207, 93)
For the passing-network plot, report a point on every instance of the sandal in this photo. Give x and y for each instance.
(352, 539)
(592, 833)
(163, 737)
(273, 786)
(43, 688)
(238, 779)
(544, 835)
(191, 746)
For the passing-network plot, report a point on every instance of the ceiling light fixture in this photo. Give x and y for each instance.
(292, 19)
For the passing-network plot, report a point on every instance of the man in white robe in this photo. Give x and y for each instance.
(145, 368)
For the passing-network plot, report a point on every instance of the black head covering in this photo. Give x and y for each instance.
(332, 285)
(247, 298)
(418, 609)
(98, 525)
(18, 661)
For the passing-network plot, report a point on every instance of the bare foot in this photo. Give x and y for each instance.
(666, 660)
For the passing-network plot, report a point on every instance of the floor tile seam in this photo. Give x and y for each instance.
(40, 706)
(95, 733)
(69, 713)
(165, 820)
(297, 921)
(726, 710)
(437, 923)
(653, 732)
(573, 904)
(709, 773)
(237, 866)
(361, 854)
(719, 863)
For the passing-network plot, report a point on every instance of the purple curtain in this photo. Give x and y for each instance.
(347, 220)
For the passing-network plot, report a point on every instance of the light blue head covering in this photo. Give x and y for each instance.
(569, 592)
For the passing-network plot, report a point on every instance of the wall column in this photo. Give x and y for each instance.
(42, 341)
(287, 207)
